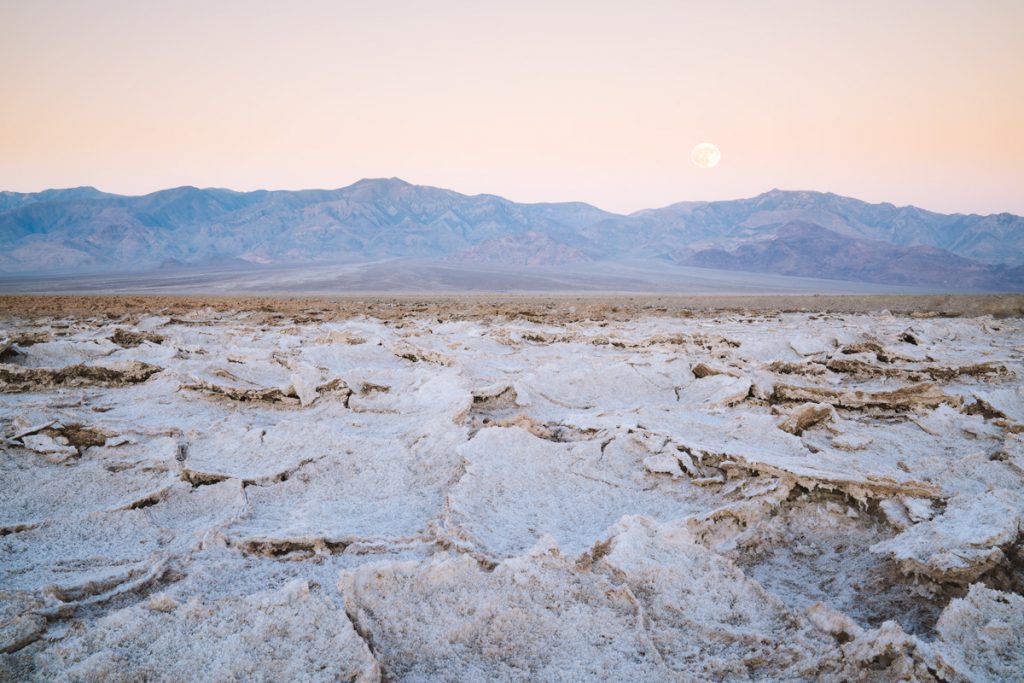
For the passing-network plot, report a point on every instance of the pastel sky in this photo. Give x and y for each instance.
(913, 102)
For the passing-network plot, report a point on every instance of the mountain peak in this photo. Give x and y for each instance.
(379, 182)
(803, 195)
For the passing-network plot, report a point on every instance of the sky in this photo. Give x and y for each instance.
(910, 102)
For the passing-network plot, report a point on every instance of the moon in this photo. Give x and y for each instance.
(705, 155)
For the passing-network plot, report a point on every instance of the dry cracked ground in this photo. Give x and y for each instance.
(247, 495)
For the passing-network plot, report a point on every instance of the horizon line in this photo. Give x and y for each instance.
(502, 197)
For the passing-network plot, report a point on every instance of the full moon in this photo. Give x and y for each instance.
(705, 155)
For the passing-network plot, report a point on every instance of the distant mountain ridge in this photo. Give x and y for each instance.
(783, 232)
(809, 250)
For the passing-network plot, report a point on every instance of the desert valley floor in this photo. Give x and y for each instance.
(549, 491)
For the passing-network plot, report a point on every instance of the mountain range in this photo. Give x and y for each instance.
(808, 234)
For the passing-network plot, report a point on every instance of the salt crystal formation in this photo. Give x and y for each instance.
(232, 496)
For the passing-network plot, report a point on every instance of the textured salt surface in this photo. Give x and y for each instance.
(236, 495)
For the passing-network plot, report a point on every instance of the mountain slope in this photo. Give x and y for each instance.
(997, 238)
(807, 233)
(809, 250)
(13, 200)
(370, 219)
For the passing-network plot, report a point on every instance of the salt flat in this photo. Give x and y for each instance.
(412, 491)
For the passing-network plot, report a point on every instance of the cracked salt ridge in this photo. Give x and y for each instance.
(105, 479)
(176, 640)
(375, 492)
(573, 491)
(262, 448)
(77, 560)
(21, 379)
(647, 603)
(546, 615)
(663, 453)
